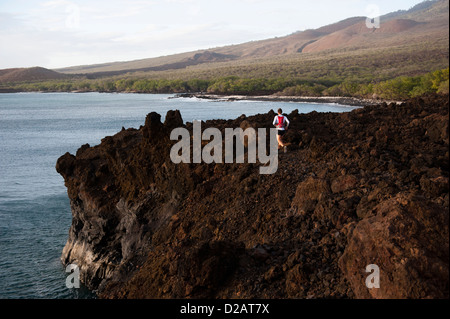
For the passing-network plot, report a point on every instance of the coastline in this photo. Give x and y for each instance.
(349, 101)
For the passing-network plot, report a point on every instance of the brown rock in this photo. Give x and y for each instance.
(343, 183)
(173, 119)
(308, 193)
(296, 281)
(408, 241)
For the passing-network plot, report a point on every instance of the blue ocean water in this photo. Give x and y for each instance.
(35, 130)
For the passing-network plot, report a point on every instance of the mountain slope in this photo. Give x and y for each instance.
(361, 36)
(426, 22)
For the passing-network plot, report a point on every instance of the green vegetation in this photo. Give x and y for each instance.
(399, 88)
(406, 87)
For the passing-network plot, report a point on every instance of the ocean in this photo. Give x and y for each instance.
(35, 130)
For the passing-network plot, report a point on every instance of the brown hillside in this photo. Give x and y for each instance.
(341, 25)
(29, 74)
(397, 25)
(197, 58)
(359, 35)
(293, 43)
(425, 24)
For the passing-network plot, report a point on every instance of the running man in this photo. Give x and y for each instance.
(282, 123)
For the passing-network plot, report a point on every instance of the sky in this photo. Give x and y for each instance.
(62, 33)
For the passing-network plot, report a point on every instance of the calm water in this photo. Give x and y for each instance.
(35, 130)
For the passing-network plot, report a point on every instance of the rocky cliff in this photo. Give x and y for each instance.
(358, 188)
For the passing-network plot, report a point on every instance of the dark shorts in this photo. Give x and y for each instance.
(281, 132)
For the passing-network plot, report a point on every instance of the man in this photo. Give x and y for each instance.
(282, 123)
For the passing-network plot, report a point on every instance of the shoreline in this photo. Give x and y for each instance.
(348, 101)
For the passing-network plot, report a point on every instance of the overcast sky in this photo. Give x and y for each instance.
(61, 33)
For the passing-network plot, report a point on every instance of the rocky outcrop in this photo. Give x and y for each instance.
(408, 240)
(365, 187)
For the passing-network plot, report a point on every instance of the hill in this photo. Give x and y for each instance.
(419, 34)
(29, 74)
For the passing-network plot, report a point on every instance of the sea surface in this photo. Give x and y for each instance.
(35, 130)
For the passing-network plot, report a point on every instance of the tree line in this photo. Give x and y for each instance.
(399, 88)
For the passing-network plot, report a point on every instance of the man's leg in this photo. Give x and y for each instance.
(280, 142)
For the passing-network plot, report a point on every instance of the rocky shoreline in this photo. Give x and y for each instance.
(350, 101)
(359, 188)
